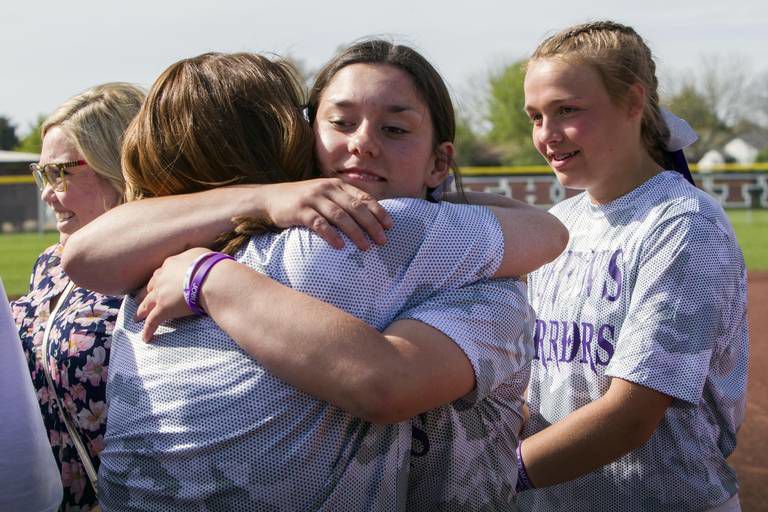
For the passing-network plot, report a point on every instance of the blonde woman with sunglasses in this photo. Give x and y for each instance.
(65, 330)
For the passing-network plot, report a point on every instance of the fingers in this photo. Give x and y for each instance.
(367, 213)
(365, 203)
(327, 206)
(334, 215)
(355, 213)
(151, 324)
(319, 225)
(146, 304)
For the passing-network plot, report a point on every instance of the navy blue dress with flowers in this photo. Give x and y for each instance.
(78, 356)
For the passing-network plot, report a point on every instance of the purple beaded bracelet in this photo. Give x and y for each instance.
(196, 274)
(523, 481)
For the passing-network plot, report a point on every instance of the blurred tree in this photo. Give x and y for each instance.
(759, 99)
(510, 127)
(8, 139)
(505, 104)
(721, 98)
(724, 83)
(467, 142)
(471, 149)
(700, 113)
(31, 142)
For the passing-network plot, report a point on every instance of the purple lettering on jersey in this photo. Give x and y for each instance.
(614, 272)
(538, 340)
(553, 338)
(574, 342)
(566, 338)
(605, 344)
(562, 274)
(586, 343)
(589, 275)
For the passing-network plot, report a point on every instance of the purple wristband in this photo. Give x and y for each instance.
(191, 271)
(523, 481)
(196, 274)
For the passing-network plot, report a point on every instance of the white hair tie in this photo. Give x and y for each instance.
(681, 135)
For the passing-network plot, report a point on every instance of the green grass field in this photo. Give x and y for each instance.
(752, 231)
(20, 251)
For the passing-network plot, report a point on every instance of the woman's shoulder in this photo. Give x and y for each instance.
(47, 271)
(563, 209)
(50, 256)
(411, 214)
(413, 220)
(686, 226)
(675, 198)
(88, 299)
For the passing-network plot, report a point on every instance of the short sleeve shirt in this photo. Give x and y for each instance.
(196, 423)
(652, 290)
(463, 454)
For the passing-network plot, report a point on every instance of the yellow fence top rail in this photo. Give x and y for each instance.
(6, 180)
(503, 171)
(543, 169)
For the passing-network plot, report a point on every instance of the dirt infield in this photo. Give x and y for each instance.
(751, 456)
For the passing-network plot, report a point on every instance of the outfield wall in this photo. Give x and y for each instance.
(735, 186)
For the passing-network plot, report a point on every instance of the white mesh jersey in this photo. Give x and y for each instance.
(196, 424)
(463, 455)
(651, 289)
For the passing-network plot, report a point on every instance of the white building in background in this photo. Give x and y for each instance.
(741, 150)
(16, 157)
(745, 148)
(711, 159)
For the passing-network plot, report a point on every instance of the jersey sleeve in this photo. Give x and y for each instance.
(461, 242)
(684, 307)
(491, 322)
(431, 248)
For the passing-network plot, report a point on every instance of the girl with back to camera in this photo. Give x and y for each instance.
(639, 377)
(194, 421)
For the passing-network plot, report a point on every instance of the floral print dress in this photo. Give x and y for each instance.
(78, 355)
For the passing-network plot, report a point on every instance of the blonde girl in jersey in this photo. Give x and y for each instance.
(639, 377)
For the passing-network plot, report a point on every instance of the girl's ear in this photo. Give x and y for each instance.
(443, 159)
(636, 100)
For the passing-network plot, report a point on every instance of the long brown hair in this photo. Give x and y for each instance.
(215, 120)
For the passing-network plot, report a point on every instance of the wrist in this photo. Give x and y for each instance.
(253, 202)
(195, 277)
(524, 482)
(216, 287)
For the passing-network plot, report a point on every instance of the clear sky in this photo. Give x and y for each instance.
(53, 50)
